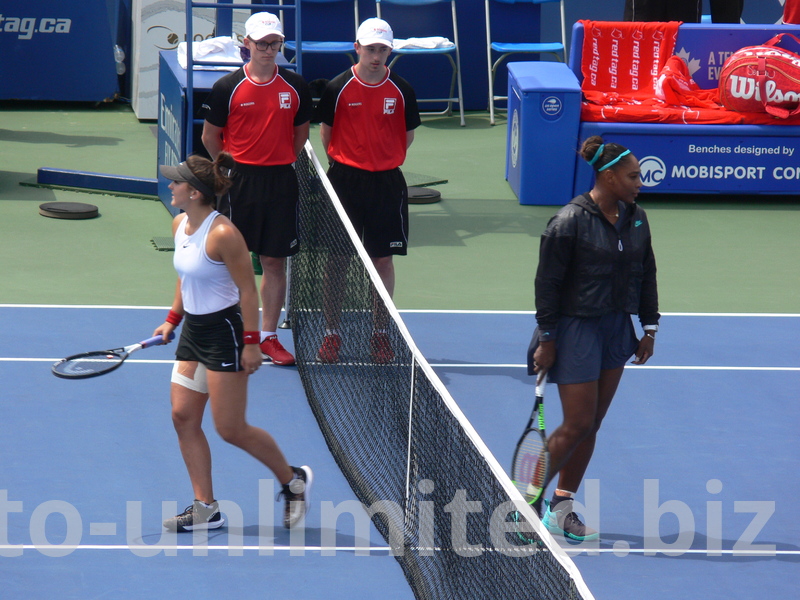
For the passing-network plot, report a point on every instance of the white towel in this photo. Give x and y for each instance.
(427, 42)
(219, 49)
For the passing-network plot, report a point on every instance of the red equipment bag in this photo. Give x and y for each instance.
(762, 79)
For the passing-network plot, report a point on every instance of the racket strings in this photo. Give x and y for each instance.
(91, 363)
(531, 466)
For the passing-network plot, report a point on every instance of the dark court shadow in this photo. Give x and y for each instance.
(701, 549)
(46, 137)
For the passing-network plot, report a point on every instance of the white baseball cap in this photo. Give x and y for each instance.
(375, 31)
(262, 24)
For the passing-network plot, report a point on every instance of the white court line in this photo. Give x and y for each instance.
(6, 548)
(677, 552)
(443, 311)
(533, 312)
(650, 367)
(172, 547)
(411, 310)
(85, 306)
(131, 361)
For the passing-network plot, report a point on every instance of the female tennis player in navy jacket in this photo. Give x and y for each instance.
(596, 269)
(219, 343)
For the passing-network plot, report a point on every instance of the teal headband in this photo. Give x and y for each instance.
(597, 154)
(613, 162)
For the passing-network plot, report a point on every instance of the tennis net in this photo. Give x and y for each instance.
(451, 516)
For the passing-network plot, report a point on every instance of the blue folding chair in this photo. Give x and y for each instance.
(327, 46)
(451, 52)
(558, 49)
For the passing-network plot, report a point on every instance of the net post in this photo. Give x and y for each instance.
(287, 318)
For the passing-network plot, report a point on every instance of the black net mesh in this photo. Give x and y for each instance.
(405, 451)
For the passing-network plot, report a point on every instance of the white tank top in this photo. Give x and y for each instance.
(206, 285)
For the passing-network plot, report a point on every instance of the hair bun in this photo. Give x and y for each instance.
(226, 160)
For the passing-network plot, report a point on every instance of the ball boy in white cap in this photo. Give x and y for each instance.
(260, 114)
(368, 115)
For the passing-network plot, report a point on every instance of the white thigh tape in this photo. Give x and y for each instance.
(198, 384)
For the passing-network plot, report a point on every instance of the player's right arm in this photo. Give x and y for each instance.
(325, 134)
(226, 243)
(300, 137)
(326, 112)
(212, 139)
(165, 329)
(409, 138)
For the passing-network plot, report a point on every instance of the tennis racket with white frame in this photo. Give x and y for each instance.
(100, 362)
(530, 466)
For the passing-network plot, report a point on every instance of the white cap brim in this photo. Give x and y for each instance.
(259, 34)
(372, 41)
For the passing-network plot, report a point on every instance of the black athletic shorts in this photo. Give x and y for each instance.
(215, 340)
(377, 205)
(262, 203)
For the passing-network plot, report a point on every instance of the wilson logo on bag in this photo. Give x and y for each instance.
(762, 79)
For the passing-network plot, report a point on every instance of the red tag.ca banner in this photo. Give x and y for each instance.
(625, 57)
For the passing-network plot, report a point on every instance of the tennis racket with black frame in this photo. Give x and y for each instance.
(100, 362)
(530, 466)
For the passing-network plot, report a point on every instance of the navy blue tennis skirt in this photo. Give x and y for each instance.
(586, 346)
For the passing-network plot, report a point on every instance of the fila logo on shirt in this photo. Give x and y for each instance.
(389, 105)
(285, 99)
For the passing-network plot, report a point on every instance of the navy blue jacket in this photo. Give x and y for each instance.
(587, 268)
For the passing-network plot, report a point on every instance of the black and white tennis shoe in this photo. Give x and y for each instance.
(197, 516)
(296, 495)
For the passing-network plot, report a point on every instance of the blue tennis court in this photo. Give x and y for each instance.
(693, 485)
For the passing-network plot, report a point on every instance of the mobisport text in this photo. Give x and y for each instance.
(655, 169)
(741, 171)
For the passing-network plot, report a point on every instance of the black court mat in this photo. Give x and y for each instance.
(68, 210)
(420, 180)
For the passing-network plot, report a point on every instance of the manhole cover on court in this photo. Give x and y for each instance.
(68, 210)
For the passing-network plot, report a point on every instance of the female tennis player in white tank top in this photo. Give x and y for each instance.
(206, 284)
(219, 344)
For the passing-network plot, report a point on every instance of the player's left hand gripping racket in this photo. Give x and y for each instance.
(100, 362)
(531, 465)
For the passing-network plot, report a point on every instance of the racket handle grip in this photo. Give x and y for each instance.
(155, 340)
(540, 383)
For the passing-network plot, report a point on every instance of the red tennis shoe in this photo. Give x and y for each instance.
(329, 351)
(380, 348)
(273, 350)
